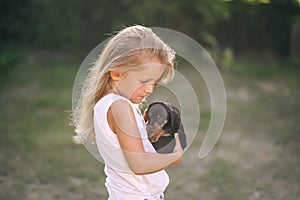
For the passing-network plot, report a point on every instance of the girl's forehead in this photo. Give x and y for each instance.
(150, 70)
(149, 66)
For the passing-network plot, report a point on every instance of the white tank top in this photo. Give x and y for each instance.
(121, 182)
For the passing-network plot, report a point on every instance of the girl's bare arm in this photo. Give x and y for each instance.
(122, 121)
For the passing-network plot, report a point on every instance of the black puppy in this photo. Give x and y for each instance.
(162, 121)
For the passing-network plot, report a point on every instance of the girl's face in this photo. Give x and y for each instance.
(137, 84)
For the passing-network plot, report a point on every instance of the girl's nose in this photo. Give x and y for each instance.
(149, 88)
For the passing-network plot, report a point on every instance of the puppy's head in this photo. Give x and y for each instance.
(161, 119)
(155, 117)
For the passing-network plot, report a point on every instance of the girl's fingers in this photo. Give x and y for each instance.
(177, 143)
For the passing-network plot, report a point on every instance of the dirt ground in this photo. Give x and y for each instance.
(249, 161)
(256, 157)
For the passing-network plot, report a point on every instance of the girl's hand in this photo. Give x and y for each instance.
(177, 147)
(178, 150)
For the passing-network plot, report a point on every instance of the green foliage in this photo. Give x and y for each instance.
(18, 20)
(179, 14)
(77, 25)
(264, 69)
(227, 58)
(250, 69)
(73, 24)
(8, 60)
(254, 28)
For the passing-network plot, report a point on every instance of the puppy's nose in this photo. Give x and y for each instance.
(149, 127)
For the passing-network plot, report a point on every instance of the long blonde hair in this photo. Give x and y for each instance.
(122, 53)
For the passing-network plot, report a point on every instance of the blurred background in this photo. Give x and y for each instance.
(255, 44)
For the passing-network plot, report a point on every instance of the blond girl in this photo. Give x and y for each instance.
(133, 62)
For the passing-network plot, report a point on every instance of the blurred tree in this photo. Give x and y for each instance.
(193, 17)
(17, 22)
(257, 26)
(75, 23)
(79, 25)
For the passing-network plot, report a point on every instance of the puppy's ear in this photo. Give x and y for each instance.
(174, 118)
(171, 118)
(146, 115)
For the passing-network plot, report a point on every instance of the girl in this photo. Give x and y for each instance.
(133, 62)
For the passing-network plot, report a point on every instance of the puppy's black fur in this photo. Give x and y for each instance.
(162, 121)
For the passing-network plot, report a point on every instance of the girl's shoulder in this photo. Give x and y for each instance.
(109, 99)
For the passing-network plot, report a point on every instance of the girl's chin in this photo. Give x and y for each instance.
(137, 100)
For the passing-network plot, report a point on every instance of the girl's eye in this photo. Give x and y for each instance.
(147, 82)
(155, 84)
(144, 82)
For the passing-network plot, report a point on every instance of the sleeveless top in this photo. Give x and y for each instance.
(121, 182)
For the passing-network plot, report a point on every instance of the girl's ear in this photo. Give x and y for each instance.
(115, 75)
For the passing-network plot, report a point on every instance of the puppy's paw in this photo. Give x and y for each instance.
(154, 138)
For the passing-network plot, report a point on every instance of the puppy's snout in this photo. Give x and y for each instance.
(150, 128)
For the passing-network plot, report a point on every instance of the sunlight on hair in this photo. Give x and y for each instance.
(181, 86)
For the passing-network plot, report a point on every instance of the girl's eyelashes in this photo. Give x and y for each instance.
(147, 82)
(144, 82)
(155, 83)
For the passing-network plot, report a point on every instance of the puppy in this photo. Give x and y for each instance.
(162, 121)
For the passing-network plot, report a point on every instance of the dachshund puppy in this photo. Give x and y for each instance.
(162, 121)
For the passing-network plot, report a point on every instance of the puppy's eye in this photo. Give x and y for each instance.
(160, 120)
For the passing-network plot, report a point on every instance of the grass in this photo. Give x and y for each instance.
(275, 110)
(8, 60)
(266, 69)
(36, 146)
(39, 160)
(222, 180)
